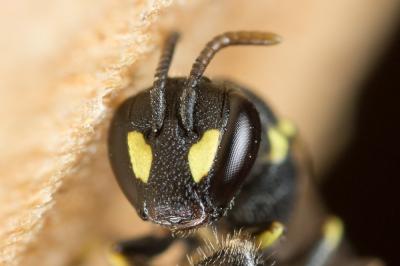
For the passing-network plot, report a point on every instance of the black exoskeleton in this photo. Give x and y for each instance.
(192, 151)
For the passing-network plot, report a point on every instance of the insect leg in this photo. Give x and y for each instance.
(270, 236)
(142, 251)
(138, 251)
(332, 234)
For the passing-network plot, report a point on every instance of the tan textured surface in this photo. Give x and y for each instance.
(64, 64)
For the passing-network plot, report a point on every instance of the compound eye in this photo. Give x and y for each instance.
(202, 154)
(238, 150)
(140, 154)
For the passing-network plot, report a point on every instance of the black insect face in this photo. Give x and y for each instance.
(184, 179)
(182, 149)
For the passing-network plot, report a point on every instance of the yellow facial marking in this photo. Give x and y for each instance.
(140, 155)
(270, 236)
(202, 154)
(333, 231)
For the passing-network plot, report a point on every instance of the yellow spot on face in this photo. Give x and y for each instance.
(140, 154)
(333, 231)
(270, 236)
(202, 154)
(117, 259)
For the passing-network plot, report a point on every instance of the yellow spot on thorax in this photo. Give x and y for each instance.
(287, 128)
(279, 145)
(140, 154)
(333, 231)
(270, 236)
(201, 154)
(279, 138)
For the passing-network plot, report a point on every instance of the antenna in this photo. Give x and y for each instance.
(188, 96)
(157, 93)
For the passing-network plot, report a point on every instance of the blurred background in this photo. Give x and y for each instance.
(362, 183)
(65, 65)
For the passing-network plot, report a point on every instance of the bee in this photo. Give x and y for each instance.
(191, 151)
